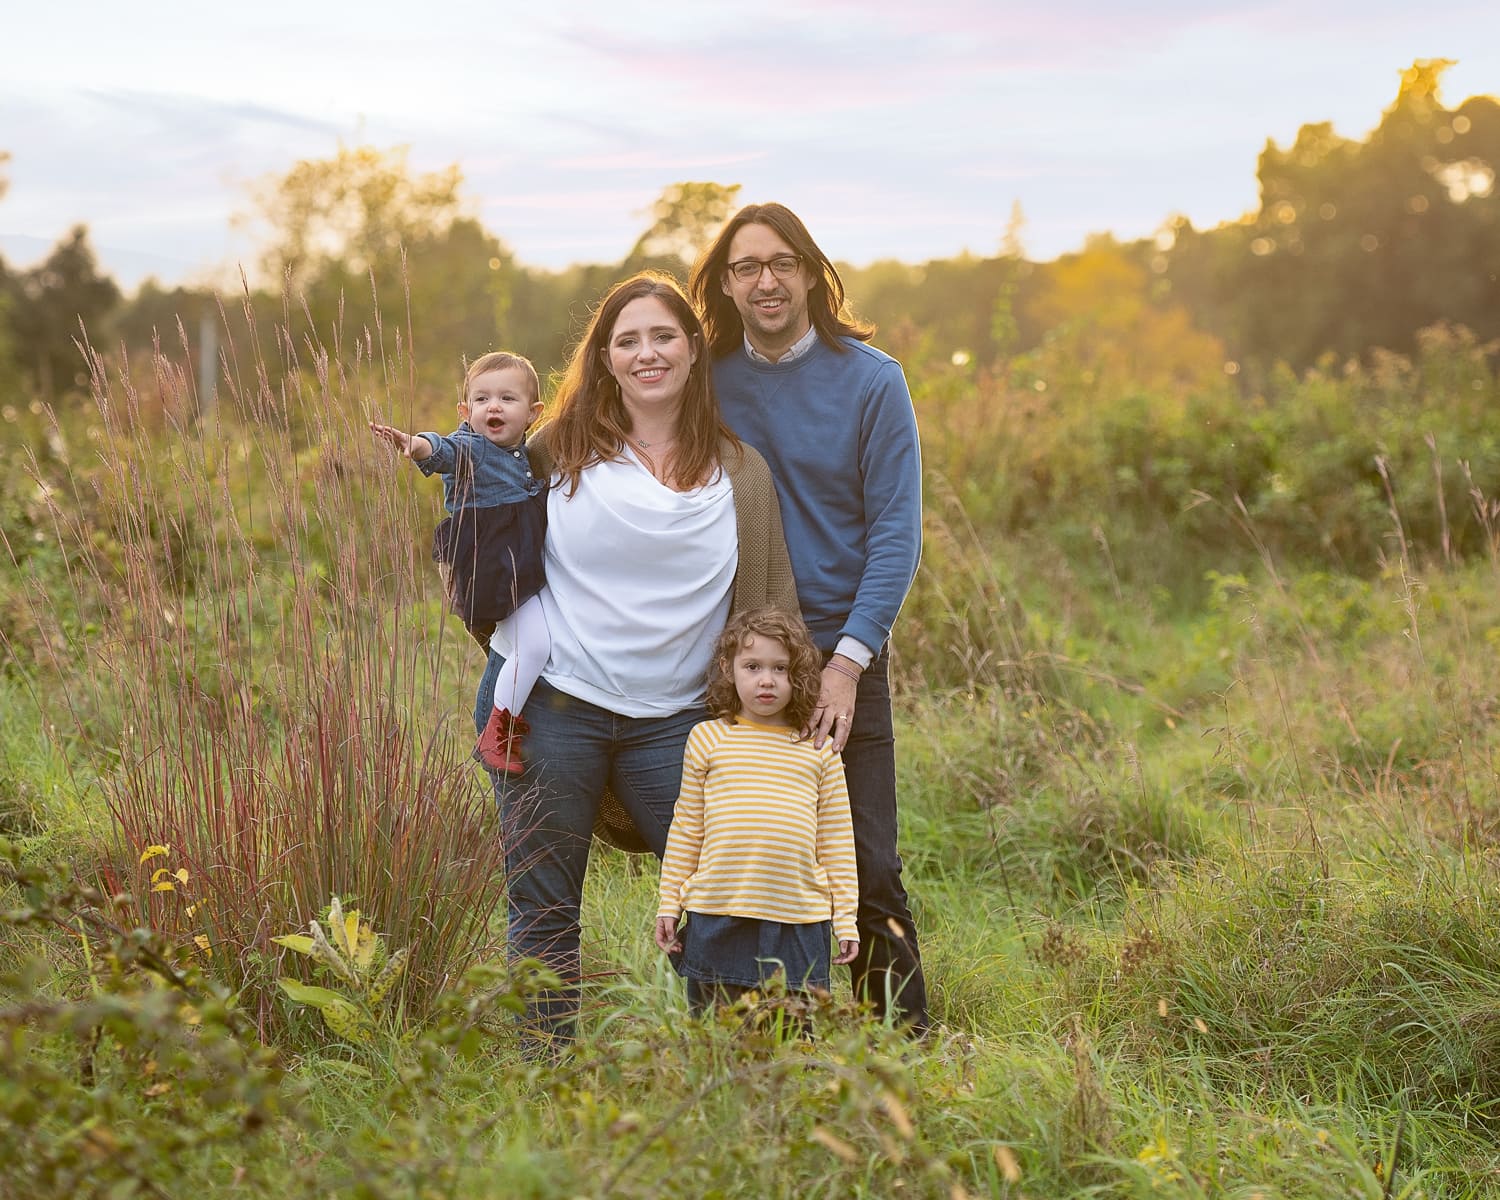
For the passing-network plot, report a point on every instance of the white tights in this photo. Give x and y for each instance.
(531, 643)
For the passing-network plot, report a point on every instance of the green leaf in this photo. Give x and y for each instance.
(317, 997)
(349, 1023)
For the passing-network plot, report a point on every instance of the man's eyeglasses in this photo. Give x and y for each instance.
(747, 270)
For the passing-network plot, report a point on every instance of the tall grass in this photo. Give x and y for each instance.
(233, 635)
(1200, 801)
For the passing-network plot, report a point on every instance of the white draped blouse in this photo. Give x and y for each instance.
(638, 587)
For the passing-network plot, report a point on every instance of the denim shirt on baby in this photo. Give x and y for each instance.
(476, 472)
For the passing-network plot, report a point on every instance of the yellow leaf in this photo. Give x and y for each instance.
(99, 1142)
(159, 872)
(388, 975)
(897, 1113)
(1161, 1006)
(151, 852)
(202, 943)
(1005, 1159)
(329, 957)
(835, 1144)
(1199, 1025)
(363, 943)
(337, 925)
(163, 886)
(181, 874)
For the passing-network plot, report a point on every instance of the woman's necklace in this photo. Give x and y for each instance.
(653, 456)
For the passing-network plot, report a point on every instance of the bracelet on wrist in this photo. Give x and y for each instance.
(843, 670)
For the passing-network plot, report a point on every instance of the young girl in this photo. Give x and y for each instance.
(491, 541)
(760, 855)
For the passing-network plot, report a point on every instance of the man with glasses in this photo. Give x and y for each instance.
(834, 419)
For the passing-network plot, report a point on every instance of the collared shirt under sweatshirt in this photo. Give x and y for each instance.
(840, 435)
(762, 829)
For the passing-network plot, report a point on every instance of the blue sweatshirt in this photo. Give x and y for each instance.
(840, 435)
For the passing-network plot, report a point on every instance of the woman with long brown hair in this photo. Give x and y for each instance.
(659, 524)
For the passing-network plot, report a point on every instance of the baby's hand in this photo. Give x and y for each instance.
(848, 948)
(666, 935)
(400, 442)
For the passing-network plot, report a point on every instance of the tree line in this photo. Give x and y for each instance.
(1355, 246)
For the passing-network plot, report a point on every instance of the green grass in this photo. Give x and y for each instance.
(1152, 978)
(1207, 891)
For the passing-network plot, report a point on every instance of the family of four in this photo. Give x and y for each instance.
(713, 468)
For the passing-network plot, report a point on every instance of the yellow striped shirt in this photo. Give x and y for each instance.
(762, 829)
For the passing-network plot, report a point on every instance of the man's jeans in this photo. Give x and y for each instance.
(888, 969)
(547, 819)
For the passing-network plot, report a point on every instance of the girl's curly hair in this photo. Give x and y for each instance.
(805, 668)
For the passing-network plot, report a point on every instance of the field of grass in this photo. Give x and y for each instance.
(1202, 842)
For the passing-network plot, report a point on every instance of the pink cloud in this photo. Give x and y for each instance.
(630, 161)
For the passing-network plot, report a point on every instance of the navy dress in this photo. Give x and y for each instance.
(748, 952)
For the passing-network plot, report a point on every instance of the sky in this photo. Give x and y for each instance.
(896, 128)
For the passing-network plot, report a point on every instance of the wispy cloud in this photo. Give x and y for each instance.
(762, 69)
(896, 128)
(627, 161)
(179, 111)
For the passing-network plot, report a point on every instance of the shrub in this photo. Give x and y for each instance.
(260, 685)
(151, 1076)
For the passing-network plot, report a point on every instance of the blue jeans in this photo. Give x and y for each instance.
(547, 819)
(888, 968)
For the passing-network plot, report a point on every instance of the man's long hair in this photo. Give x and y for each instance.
(825, 301)
(591, 421)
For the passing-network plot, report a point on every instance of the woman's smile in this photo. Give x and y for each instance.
(649, 353)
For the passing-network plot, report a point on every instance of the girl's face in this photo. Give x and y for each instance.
(649, 353)
(499, 406)
(763, 679)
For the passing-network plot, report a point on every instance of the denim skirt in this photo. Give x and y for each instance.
(748, 952)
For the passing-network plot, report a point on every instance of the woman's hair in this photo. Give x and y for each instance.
(499, 360)
(805, 669)
(825, 301)
(590, 421)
